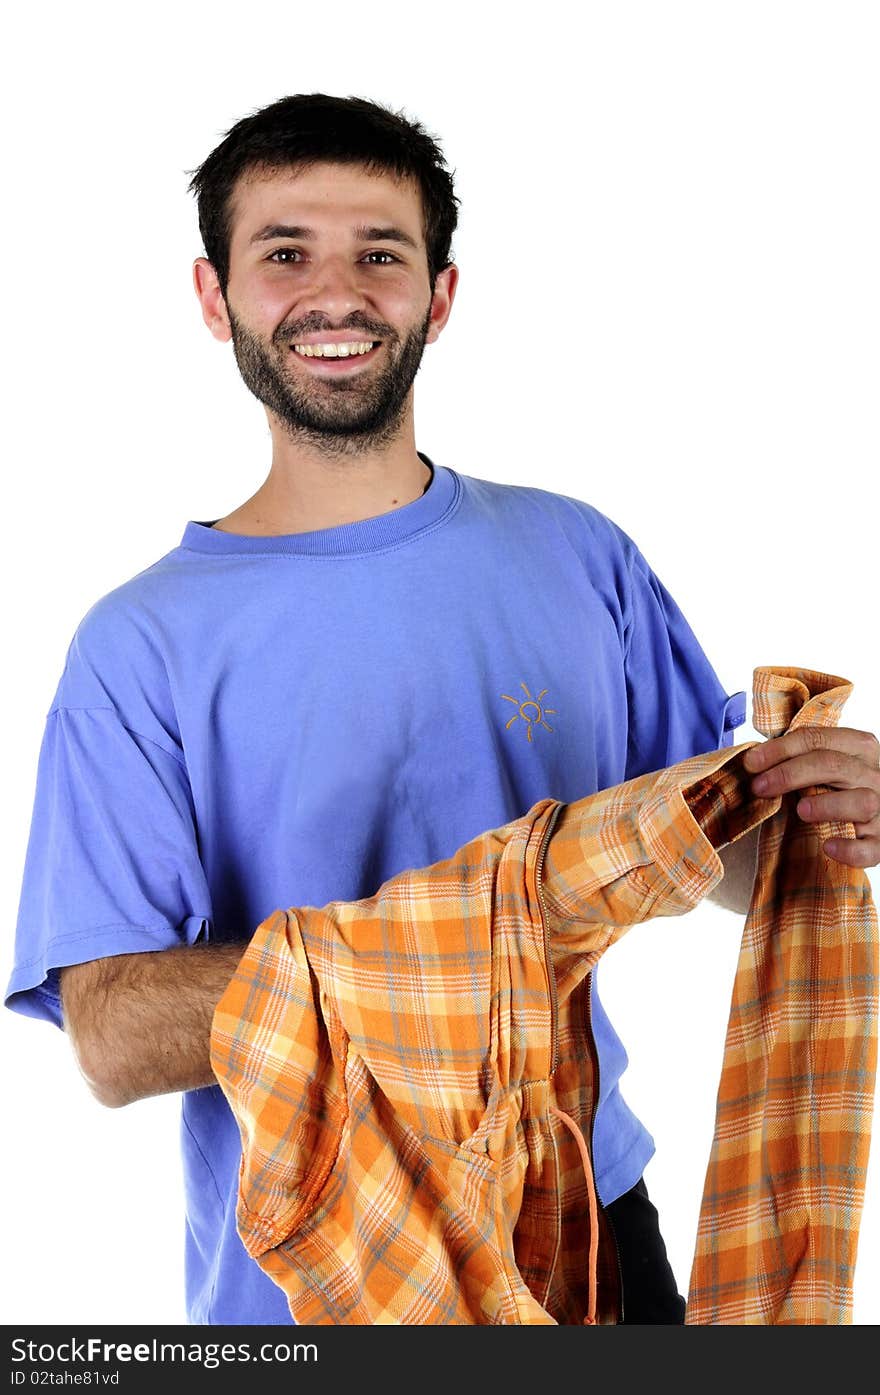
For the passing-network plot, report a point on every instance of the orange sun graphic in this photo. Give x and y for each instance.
(530, 711)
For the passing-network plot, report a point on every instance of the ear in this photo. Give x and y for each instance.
(211, 297)
(441, 303)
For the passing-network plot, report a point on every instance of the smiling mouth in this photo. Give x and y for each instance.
(356, 348)
(336, 360)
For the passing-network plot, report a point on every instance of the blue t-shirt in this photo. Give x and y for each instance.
(253, 723)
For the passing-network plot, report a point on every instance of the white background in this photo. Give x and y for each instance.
(668, 306)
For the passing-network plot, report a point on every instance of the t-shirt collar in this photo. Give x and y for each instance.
(365, 535)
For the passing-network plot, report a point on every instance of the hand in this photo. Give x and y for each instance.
(848, 761)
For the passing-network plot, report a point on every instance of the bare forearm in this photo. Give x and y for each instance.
(140, 1024)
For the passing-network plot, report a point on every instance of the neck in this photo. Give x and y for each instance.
(307, 488)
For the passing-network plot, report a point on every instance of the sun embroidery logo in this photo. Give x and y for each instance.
(531, 711)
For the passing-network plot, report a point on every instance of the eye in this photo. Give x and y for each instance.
(283, 252)
(390, 256)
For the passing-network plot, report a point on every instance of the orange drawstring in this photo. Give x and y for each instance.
(590, 1319)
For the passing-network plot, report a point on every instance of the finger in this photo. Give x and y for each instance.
(856, 806)
(825, 767)
(853, 852)
(863, 744)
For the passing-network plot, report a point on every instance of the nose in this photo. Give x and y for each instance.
(334, 289)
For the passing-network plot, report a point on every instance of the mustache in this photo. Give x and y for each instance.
(314, 324)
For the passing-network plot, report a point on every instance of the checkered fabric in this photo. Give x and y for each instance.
(414, 1074)
(782, 1200)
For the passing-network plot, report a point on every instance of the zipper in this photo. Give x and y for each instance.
(608, 1221)
(548, 962)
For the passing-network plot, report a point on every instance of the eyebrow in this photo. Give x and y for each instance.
(363, 234)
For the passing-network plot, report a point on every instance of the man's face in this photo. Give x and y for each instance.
(329, 304)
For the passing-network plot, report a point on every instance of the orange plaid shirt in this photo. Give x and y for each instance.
(414, 1073)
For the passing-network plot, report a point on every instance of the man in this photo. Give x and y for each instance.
(367, 663)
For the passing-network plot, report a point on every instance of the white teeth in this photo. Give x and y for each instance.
(333, 350)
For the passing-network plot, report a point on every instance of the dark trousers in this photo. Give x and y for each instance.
(650, 1293)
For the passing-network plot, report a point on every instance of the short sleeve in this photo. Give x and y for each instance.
(677, 705)
(112, 864)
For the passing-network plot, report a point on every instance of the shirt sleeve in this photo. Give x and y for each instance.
(677, 705)
(112, 863)
(646, 848)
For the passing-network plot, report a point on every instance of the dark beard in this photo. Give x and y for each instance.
(340, 417)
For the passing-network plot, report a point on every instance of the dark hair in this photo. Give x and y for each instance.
(307, 128)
